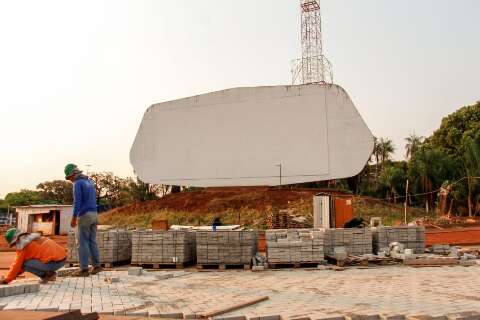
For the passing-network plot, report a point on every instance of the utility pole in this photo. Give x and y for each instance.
(280, 173)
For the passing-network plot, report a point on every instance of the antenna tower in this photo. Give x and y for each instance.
(313, 67)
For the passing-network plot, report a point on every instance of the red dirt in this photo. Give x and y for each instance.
(221, 199)
(454, 236)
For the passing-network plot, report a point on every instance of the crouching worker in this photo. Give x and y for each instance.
(36, 254)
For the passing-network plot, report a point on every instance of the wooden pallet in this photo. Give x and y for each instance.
(173, 265)
(283, 265)
(224, 266)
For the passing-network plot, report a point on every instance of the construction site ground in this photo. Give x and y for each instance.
(292, 293)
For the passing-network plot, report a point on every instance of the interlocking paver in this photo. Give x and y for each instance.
(293, 293)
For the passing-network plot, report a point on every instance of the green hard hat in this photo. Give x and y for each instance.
(69, 169)
(12, 235)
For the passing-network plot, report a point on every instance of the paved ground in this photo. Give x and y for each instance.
(292, 292)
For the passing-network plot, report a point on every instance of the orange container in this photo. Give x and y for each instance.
(343, 211)
(261, 245)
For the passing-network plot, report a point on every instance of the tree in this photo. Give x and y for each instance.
(25, 197)
(111, 189)
(59, 191)
(413, 144)
(392, 180)
(386, 148)
(471, 162)
(455, 130)
(428, 170)
(142, 191)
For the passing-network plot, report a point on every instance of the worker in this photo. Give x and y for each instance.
(216, 222)
(85, 217)
(36, 254)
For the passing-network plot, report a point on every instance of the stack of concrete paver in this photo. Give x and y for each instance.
(18, 288)
(295, 246)
(412, 237)
(356, 241)
(226, 247)
(163, 247)
(113, 245)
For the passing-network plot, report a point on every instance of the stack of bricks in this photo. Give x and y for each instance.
(113, 245)
(163, 247)
(226, 247)
(277, 219)
(295, 246)
(412, 237)
(357, 241)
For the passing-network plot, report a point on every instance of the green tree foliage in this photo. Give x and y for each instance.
(385, 149)
(428, 170)
(25, 197)
(392, 181)
(142, 191)
(111, 189)
(455, 131)
(471, 162)
(58, 191)
(413, 144)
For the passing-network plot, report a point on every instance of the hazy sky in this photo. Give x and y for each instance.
(76, 77)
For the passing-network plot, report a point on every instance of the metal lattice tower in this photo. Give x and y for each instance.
(313, 67)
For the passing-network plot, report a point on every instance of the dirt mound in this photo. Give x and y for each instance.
(237, 205)
(220, 199)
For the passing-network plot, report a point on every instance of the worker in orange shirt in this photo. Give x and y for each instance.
(36, 254)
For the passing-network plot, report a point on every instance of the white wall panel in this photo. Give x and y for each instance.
(237, 137)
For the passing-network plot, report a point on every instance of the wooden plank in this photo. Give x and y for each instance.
(234, 307)
(71, 315)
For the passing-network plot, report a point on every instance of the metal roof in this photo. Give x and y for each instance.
(45, 206)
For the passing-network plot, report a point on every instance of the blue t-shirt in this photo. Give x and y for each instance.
(84, 197)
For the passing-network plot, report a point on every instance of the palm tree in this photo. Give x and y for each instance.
(386, 148)
(413, 144)
(471, 162)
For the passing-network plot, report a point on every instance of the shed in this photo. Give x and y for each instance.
(330, 211)
(45, 218)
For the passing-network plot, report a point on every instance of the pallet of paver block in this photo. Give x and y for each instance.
(357, 241)
(114, 246)
(412, 237)
(294, 246)
(158, 248)
(225, 248)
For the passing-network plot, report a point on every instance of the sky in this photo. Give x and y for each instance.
(77, 76)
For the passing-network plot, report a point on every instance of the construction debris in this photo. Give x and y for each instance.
(234, 307)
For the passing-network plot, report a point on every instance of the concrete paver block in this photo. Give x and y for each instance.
(171, 315)
(135, 271)
(271, 317)
(258, 268)
(230, 318)
(164, 276)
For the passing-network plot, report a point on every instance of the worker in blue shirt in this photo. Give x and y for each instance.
(85, 217)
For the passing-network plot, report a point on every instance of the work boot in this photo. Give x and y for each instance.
(81, 273)
(96, 270)
(49, 276)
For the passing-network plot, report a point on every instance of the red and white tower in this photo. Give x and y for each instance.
(313, 67)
